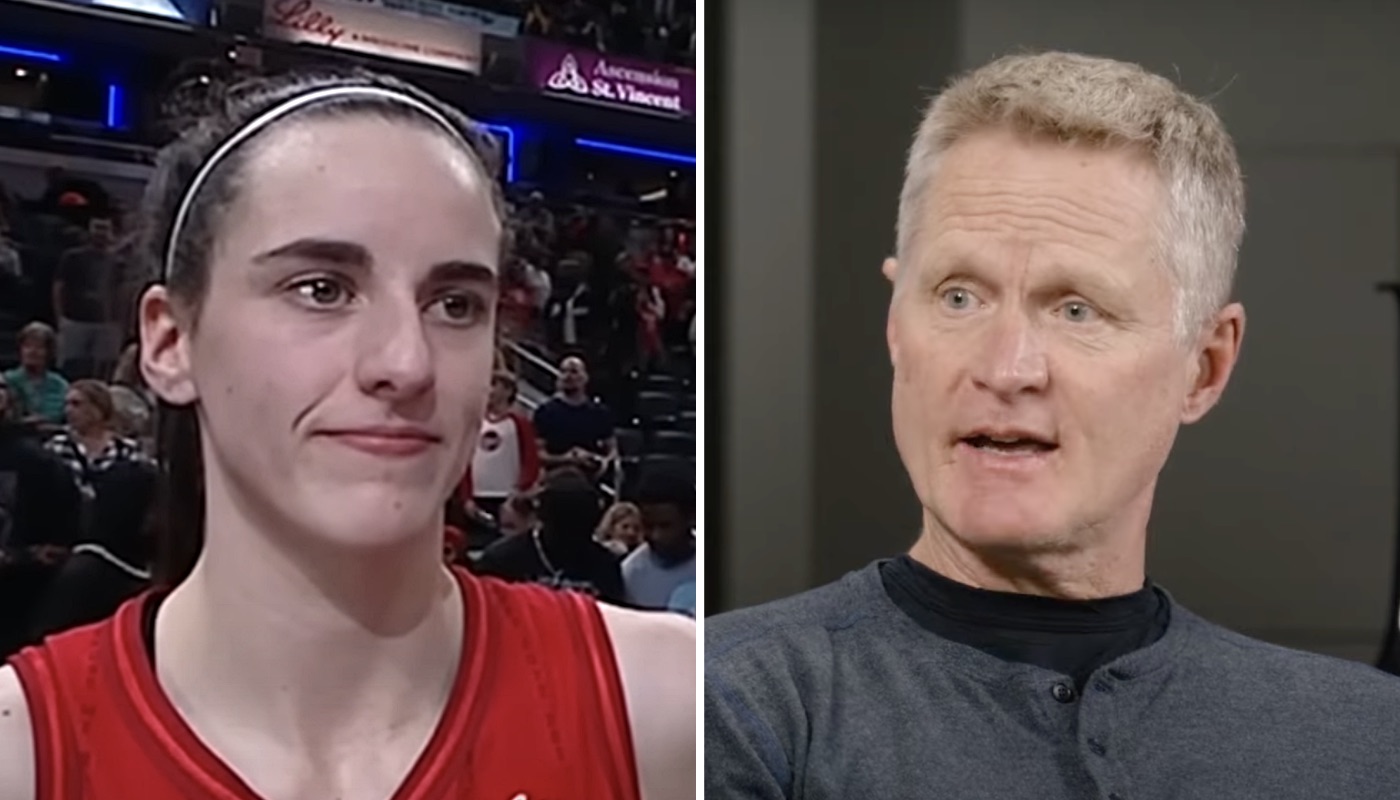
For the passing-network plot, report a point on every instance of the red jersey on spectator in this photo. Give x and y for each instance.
(664, 273)
(537, 710)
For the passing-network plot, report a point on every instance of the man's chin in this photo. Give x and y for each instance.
(1008, 531)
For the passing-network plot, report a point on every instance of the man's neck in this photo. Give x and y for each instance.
(573, 397)
(497, 413)
(1102, 566)
(34, 373)
(670, 560)
(319, 652)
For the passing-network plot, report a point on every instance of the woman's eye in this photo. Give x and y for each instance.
(322, 292)
(459, 309)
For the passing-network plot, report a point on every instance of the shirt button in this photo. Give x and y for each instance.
(1097, 747)
(1063, 692)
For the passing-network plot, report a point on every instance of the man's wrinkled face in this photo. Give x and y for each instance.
(342, 358)
(1038, 380)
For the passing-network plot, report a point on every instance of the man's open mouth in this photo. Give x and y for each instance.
(1009, 445)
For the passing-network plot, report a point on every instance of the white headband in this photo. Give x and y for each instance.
(270, 116)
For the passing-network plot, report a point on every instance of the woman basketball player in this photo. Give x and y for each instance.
(329, 249)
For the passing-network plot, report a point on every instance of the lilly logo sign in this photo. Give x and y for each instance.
(629, 83)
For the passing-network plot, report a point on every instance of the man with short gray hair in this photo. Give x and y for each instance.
(1067, 241)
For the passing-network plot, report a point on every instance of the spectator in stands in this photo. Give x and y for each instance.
(560, 553)
(70, 196)
(518, 304)
(90, 445)
(683, 599)
(110, 563)
(651, 320)
(40, 390)
(135, 404)
(536, 218)
(84, 303)
(624, 29)
(540, 283)
(507, 455)
(520, 514)
(621, 529)
(11, 266)
(575, 429)
(539, 20)
(39, 502)
(675, 282)
(666, 560)
(572, 313)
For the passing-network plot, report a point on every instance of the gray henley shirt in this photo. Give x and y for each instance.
(837, 693)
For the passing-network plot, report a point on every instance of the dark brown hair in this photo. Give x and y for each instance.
(179, 521)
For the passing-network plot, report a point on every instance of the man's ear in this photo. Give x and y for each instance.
(890, 269)
(1216, 356)
(165, 348)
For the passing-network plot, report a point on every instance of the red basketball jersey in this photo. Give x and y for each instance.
(537, 711)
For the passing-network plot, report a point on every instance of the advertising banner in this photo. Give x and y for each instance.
(631, 83)
(486, 21)
(375, 30)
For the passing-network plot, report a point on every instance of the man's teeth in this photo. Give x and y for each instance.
(1008, 445)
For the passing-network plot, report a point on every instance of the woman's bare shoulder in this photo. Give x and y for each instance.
(655, 653)
(16, 739)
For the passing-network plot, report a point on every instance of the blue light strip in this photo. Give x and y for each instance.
(25, 52)
(636, 151)
(509, 134)
(114, 106)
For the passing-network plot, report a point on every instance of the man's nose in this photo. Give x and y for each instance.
(1012, 359)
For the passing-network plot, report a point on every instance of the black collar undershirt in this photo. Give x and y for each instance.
(1072, 637)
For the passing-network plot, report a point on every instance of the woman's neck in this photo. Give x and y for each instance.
(93, 436)
(317, 649)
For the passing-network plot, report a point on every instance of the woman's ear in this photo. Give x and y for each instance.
(165, 348)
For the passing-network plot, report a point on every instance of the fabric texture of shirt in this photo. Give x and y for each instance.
(562, 426)
(838, 693)
(1072, 637)
(89, 278)
(650, 581)
(506, 459)
(85, 466)
(537, 711)
(44, 397)
(586, 567)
